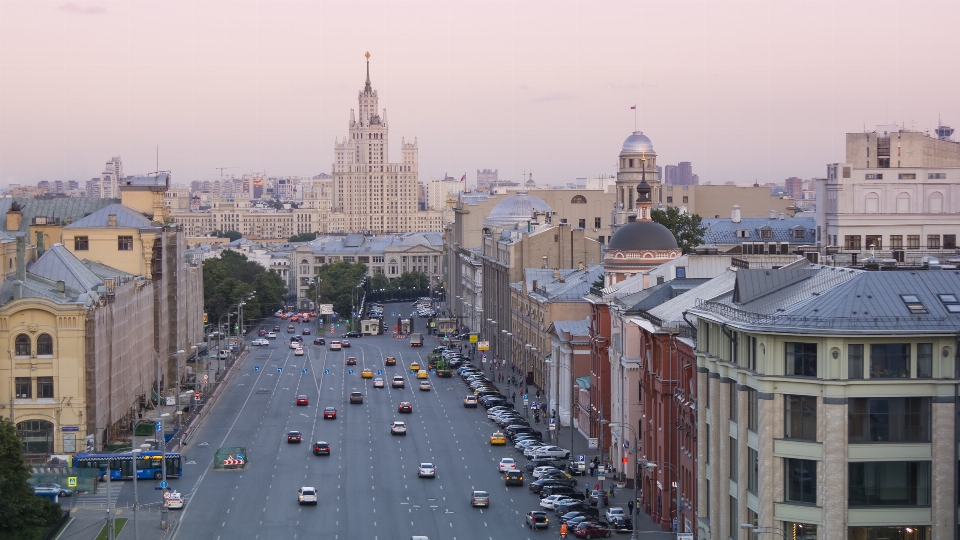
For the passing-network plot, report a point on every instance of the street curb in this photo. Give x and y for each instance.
(65, 527)
(221, 384)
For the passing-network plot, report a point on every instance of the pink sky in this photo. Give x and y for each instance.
(745, 90)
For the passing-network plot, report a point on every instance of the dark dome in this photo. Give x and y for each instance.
(642, 236)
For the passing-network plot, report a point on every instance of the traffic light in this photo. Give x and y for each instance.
(196, 397)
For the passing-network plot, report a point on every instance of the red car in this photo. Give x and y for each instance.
(405, 407)
(302, 400)
(344, 343)
(305, 331)
(351, 360)
(330, 412)
(293, 437)
(262, 332)
(591, 529)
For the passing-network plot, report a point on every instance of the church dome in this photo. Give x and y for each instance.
(642, 236)
(637, 143)
(515, 208)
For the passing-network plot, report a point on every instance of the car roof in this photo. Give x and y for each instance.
(330, 409)
(353, 393)
(294, 431)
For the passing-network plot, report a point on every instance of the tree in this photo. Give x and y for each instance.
(232, 235)
(303, 237)
(337, 283)
(21, 512)
(231, 279)
(688, 229)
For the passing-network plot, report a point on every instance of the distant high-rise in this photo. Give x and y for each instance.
(680, 174)
(794, 187)
(487, 178)
(670, 175)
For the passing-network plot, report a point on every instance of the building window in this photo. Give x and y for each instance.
(753, 472)
(907, 176)
(582, 223)
(924, 360)
(596, 223)
(81, 243)
(45, 387)
(933, 241)
(808, 531)
(889, 483)
(734, 520)
(855, 361)
(913, 241)
(896, 241)
(874, 241)
(681, 272)
(800, 420)
(734, 462)
(22, 345)
(753, 409)
(889, 360)
(949, 241)
(23, 385)
(669, 200)
(801, 481)
(851, 241)
(801, 359)
(891, 419)
(45, 345)
(732, 396)
(686, 199)
(37, 436)
(125, 243)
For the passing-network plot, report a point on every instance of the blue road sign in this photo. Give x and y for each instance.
(240, 456)
(163, 484)
(525, 396)
(326, 372)
(157, 426)
(304, 370)
(533, 404)
(553, 421)
(256, 368)
(279, 370)
(484, 356)
(379, 372)
(581, 457)
(349, 372)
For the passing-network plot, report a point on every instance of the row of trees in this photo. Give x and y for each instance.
(339, 281)
(23, 515)
(232, 279)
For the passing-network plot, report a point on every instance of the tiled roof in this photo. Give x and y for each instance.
(127, 218)
(55, 210)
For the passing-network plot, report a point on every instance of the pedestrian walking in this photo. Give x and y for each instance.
(611, 490)
(591, 468)
(630, 507)
(514, 398)
(586, 489)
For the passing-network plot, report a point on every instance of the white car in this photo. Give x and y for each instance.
(615, 512)
(550, 502)
(307, 495)
(538, 472)
(398, 428)
(551, 451)
(294, 344)
(507, 464)
(378, 383)
(173, 500)
(298, 351)
(427, 470)
(260, 342)
(271, 335)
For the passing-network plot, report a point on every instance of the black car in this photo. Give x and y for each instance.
(581, 511)
(514, 429)
(513, 478)
(319, 341)
(540, 462)
(353, 334)
(566, 491)
(618, 523)
(538, 485)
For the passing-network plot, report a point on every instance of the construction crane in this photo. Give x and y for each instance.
(221, 169)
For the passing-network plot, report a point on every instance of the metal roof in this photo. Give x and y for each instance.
(725, 231)
(576, 328)
(672, 310)
(55, 210)
(127, 218)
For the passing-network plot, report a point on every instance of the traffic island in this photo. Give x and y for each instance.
(231, 457)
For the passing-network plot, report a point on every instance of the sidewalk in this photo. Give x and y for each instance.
(86, 524)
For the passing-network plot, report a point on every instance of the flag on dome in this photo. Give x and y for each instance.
(463, 178)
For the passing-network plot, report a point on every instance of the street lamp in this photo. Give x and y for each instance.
(163, 465)
(136, 498)
(636, 480)
(650, 466)
(761, 530)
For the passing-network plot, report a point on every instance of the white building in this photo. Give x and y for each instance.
(438, 190)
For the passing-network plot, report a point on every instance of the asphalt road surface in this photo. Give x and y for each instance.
(368, 487)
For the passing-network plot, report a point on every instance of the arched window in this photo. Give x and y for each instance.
(903, 203)
(578, 199)
(873, 203)
(45, 345)
(36, 435)
(936, 203)
(23, 345)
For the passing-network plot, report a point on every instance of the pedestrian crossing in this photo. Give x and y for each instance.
(99, 499)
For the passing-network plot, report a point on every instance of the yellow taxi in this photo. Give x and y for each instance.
(391, 361)
(414, 367)
(367, 373)
(422, 374)
(498, 438)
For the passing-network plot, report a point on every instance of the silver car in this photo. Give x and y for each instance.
(427, 470)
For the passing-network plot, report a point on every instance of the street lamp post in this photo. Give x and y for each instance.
(177, 396)
(757, 531)
(635, 473)
(136, 497)
(163, 466)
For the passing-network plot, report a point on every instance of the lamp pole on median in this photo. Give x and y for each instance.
(136, 497)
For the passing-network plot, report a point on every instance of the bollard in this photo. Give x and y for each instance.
(164, 517)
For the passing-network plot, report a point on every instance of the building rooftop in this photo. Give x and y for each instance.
(127, 218)
(795, 230)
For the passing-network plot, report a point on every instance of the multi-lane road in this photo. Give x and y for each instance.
(368, 487)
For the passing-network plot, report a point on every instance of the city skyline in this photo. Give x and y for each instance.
(762, 92)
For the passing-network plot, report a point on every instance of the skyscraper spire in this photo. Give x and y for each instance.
(367, 87)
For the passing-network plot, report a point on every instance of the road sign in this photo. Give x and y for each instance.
(525, 397)
(72, 481)
(553, 421)
(684, 536)
(204, 377)
(484, 356)
(524, 403)
(601, 477)
(674, 524)
(533, 404)
(163, 484)
(157, 426)
(349, 372)
(593, 443)
(279, 369)
(326, 372)
(240, 457)
(379, 372)
(304, 370)
(256, 368)
(581, 457)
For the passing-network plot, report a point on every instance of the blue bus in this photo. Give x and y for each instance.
(121, 465)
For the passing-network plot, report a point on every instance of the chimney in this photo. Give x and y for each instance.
(14, 217)
(21, 257)
(580, 267)
(556, 273)
(773, 214)
(781, 216)
(735, 214)
(112, 220)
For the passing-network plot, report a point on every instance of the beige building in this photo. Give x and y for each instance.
(893, 147)
(88, 336)
(715, 201)
(827, 404)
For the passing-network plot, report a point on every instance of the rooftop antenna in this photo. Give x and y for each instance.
(944, 133)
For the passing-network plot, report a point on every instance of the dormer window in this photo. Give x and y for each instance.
(914, 304)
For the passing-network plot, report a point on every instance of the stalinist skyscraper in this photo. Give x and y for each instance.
(370, 194)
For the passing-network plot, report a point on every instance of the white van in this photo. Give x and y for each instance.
(223, 354)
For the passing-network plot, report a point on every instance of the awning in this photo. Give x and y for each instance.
(583, 382)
